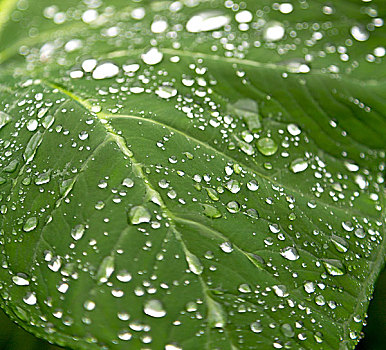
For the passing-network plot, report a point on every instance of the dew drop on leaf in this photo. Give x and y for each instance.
(139, 214)
(154, 308)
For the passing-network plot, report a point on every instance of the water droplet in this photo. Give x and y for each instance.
(83, 135)
(159, 26)
(30, 298)
(20, 279)
(30, 224)
(253, 185)
(152, 56)
(89, 65)
(267, 146)
(244, 16)
(280, 291)
(233, 186)
(293, 129)
(106, 269)
(256, 327)
(274, 31)
(4, 119)
(32, 125)
(124, 276)
(286, 7)
(233, 207)
(359, 33)
(287, 330)
(298, 165)
(348, 226)
(89, 305)
(226, 247)
(340, 243)
(139, 214)
(211, 212)
(207, 21)
(194, 263)
(244, 288)
(105, 70)
(309, 287)
(351, 166)
(334, 267)
(43, 178)
(124, 335)
(78, 231)
(154, 308)
(290, 253)
(32, 145)
(166, 91)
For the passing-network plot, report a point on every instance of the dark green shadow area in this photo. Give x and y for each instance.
(375, 330)
(12, 337)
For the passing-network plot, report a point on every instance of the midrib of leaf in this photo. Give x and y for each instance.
(137, 169)
(173, 219)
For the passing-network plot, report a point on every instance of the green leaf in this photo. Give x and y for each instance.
(191, 174)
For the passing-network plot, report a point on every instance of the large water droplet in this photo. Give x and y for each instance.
(152, 56)
(30, 224)
(287, 330)
(298, 165)
(20, 279)
(154, 308)
(194, 263)
(256, 327)
(166, 91)
(290, 253)
(211, 212)
(105, 70)
(267, 146)
(274, 31)
(106, 269)
(78, 231)
(340, 243)
(233, 186)
(334, 267)
(359, 33)
(139, 214)
(207, 21)
(4, 119)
